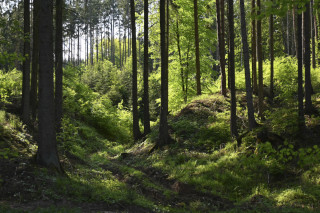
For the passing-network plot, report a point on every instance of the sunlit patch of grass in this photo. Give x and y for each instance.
(295, 197)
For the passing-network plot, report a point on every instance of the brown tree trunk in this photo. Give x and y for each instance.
(301, 120)
(260, 62)
(26, 65)
(313, 36)
(245, 46)
(35, 61)
(146, 114)
(254, 48)
(136, 129)
(221, 42)
(47, 154)
(163, 130)
(308, 86)
(271, 53)
(196, 40)
(58, 64)
(234, 130)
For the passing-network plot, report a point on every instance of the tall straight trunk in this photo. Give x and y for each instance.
(254, 48)
(271, 53)
(245, 46)
(260, 68)
(180, 57)
(59, 60)
(91, 44)
(78, 51)
(196, 40)
(97, 44)
(120, 58)
(26, 65)
(308, 87)
(112, 37)
(136, 130)
(101, 46)
(146, 114)
(47, 154)
(301, 120)
(313, 37)
(220, 24)
(288, 33)
(234, 130)
(35, 61)
(163, 130)
(294, 25)
(125, 46)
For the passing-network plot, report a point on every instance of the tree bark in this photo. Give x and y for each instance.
(136, 129)
(234, 130)
(58, 65)
(163, 130)
(146, 114)
(254, 48)
(301, 120)
(196, 40)
(313, 36)
(47, 154)
(308, 87)
(245, 46)
(271, 54)
(260, 62)
(221, 42)
(35, 61)
(26, 65)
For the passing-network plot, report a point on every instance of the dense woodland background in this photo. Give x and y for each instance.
(159, 106)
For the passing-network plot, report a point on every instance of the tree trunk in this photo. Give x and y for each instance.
(146, 114)
(221, 42)
(47, 154)
(301, 120)
(308, 87)
(313, 36)
(245, 46)
(234, 130)
(254, 48)
(271, 53)
(196, 39)
(136, 130)
(35, 61)
(59, 60)
(26, 65)
(260, 68)
(163, 130)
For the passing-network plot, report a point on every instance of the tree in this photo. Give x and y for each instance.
(196, 40)
(234, 130)
(163, 130)
(47, 154)
(271, 53)
(136, 130)
(220, 24)
(301, 120)
(308, 86)
(254, 48)
(146, 114)
(260, 61)
(35, 60)
(26, 65)
(58, 65)
(252, 121)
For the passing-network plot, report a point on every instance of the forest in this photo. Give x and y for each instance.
(159, 106)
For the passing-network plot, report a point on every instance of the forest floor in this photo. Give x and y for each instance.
(200, 172)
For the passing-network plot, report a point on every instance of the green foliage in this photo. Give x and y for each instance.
(10, 84)
(96, 109)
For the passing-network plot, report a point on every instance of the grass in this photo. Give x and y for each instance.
(202, 171)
